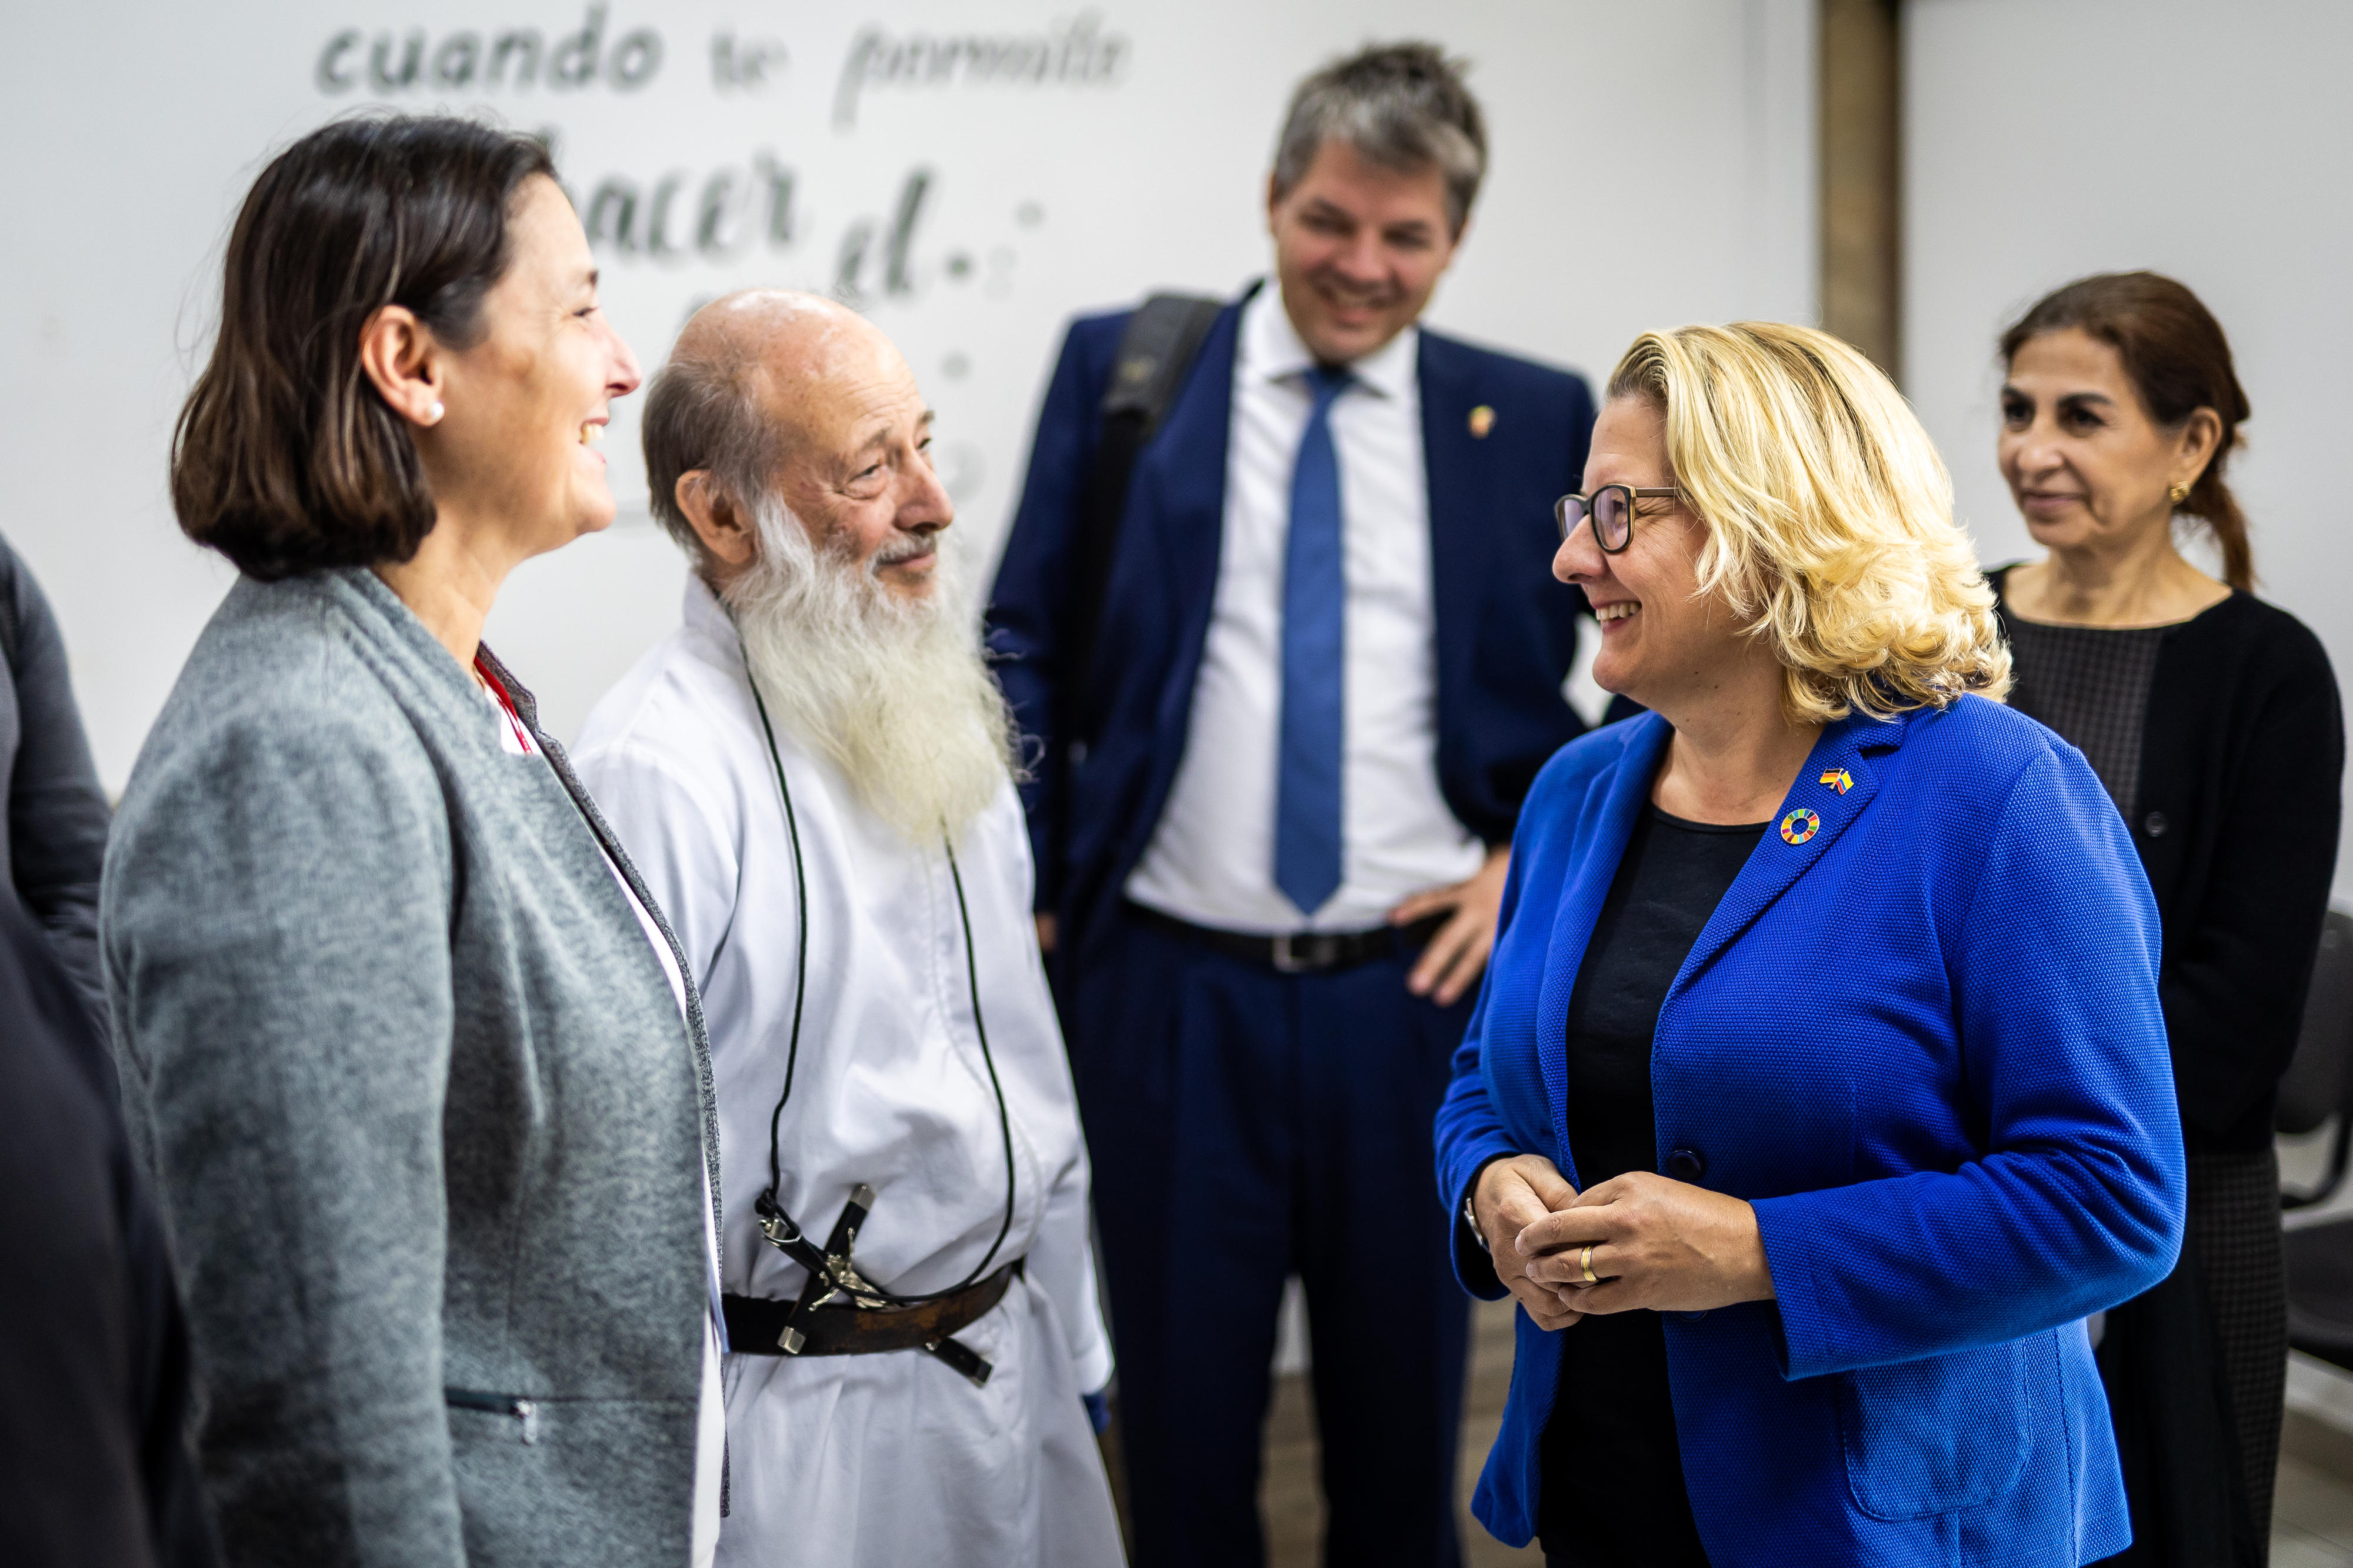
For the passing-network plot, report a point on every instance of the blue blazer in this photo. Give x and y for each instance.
(1923, 1039)
(1505, 631)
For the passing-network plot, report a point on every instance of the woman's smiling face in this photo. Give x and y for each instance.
(2085, 463)
(1659, 637)
(528, 402)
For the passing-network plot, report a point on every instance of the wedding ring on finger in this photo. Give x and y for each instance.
(1585, 1264)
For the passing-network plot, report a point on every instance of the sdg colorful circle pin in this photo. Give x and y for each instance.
(1800, 825)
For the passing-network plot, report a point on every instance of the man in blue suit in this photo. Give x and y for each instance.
(1275, 785)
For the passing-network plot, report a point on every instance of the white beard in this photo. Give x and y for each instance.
(894, 692)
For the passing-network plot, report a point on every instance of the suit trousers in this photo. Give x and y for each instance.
(1246, 1125)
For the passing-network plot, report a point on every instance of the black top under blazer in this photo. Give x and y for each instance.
(2242, 759)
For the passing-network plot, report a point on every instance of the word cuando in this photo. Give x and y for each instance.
(1075, 53)
(466, 60)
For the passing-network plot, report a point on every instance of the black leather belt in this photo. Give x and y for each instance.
(756, 1326)
(1303, 953)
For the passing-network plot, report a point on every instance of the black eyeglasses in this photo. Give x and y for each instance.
(1612, 508)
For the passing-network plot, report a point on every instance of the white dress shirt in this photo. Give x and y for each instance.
(864, 1461)
(1211, 858)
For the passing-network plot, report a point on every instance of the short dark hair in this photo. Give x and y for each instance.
(285, 459)
(1402, 106)
(2179, 362)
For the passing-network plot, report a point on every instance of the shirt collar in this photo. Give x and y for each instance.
(704, 614)
(1272, 348)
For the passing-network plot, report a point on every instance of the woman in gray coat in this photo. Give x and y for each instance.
(408, 1050)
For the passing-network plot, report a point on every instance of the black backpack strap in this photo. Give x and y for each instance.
(1155, 352)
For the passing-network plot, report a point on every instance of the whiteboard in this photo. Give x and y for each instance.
(969, 175)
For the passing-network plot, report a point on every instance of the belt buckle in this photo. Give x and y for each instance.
(1286, 954)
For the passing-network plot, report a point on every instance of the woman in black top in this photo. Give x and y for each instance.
(1806, 1152)
(2212, 719)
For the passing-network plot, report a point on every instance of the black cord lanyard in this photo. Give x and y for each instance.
(783, 1233)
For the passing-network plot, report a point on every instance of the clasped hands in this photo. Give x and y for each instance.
(1657, 1243)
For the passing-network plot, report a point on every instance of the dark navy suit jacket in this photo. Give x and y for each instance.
(1921, 1035)
(1505, 630)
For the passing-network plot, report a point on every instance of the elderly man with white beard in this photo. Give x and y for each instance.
(815, 774)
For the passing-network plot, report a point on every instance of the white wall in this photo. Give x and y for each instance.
(2048, 139)
(1652, 164)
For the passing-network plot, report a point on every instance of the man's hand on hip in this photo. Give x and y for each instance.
(1455, 957)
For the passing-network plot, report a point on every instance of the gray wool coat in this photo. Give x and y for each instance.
(432, 1145)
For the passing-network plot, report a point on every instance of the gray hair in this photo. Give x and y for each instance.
(1401, 106)
(703, 411)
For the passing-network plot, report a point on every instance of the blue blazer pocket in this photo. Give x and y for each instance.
(1928, 1437)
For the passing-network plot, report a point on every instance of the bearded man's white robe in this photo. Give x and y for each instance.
(890, 1461)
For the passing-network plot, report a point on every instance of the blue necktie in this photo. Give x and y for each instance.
(1314, 652)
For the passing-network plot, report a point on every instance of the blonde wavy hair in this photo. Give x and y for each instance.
(1828, 516)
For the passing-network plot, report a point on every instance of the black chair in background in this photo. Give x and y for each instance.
(2319, 1080)
(2319, 1088)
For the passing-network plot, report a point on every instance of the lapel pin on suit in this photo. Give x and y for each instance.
(1483, 419)
(1839, 779)
(1799, 825)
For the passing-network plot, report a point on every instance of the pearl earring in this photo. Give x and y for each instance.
(435, 417)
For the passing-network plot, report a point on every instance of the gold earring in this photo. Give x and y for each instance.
(2179, 492)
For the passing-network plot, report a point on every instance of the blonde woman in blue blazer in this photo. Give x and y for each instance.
(1819, 1088)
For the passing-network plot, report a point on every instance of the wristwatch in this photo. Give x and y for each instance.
(1471, 1217)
